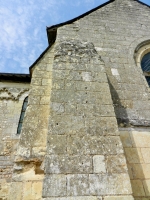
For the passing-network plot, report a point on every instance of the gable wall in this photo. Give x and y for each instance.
(116, 30)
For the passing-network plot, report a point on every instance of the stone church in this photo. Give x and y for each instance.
(78, 126)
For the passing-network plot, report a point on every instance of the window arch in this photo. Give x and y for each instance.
(142, 58)
(24, 106)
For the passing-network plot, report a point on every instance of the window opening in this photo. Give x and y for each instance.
(24, 106)
(145, 64)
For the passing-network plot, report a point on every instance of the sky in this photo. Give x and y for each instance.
(23, 28)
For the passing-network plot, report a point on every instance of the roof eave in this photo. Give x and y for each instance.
(13, 77)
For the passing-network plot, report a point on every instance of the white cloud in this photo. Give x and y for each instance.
(23, 28)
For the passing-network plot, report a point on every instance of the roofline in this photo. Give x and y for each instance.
(54, 27)
(13, 77)
(52, 31)
(80, 16)
(143, 3)
(87, 13)
(30, 68)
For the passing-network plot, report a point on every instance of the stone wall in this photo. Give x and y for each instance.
(12, 96)
(79, 87)
(85, 158)
(28, 168)
(137, 150)
(116, 30)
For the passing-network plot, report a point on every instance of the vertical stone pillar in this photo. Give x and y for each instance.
(85, 158)
(28, 174)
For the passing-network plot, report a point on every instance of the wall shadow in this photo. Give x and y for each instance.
(134, 149)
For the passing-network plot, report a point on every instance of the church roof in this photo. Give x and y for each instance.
(10, 77)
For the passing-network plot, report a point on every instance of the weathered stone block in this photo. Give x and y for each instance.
(41, 139)
(109, 185)
(37, 190)
(34, 100)
(58, 125)
(146, 184)
(28, 175)
(40, 74)
(58, 84)
(101, 126)
(45, 100)
(119, 198)
(141, 171)
(140, 139)
(134, 155)
(94, 145)
(61, 74)
(94, 110)
(91, 86)
(68, 164)
(57, 107)
(103, 98)
(116, 164)
(36, 81)
(55, 186)
(47, 82)
(146, 154)
(27, 191)
(4, 188)
(39, 151)
(75, 198)
(72, 96)
(77, 185)
(40, 90)
(137, 188)
(125, 138)
(71, 108)
(15, 192)
(99, 164)
(146, 170)
(57, 144)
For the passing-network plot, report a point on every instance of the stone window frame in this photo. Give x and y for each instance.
(22, 114)
(140, 52)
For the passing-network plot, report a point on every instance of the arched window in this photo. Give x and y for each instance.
(145, 64)
(24, 106)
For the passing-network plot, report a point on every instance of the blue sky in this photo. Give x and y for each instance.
(23, 28)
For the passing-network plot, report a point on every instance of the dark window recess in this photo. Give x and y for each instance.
(148, 79)
(22, 115)
(145, 64)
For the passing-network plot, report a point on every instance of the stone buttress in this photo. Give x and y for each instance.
(85, 158)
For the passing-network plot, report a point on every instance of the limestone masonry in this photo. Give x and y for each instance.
(85, 132)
